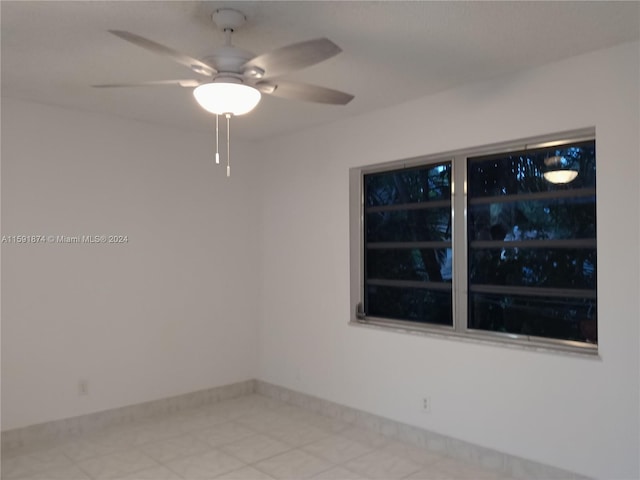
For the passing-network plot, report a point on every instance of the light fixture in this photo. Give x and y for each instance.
(559, 171)
(228, 97)
(225, 97)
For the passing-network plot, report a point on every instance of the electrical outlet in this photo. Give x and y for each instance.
(83, 387)
(426, 405)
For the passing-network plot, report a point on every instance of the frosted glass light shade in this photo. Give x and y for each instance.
(560, 176)
(221, 98)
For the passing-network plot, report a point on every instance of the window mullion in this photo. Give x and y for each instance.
(459, 243)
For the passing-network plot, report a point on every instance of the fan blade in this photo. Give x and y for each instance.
(153, 83)
(303, 91)
(192, 63)
(294, 57)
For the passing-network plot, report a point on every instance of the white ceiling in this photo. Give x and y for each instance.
(392, 51)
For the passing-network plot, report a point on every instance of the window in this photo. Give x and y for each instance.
(407, 244)
(509, 257)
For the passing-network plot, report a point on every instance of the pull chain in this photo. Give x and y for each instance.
(217, 142)
(228, 115)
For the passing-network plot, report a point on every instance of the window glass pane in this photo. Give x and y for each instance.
(538, 267)
(559, 318)
(561, 218)
(526, 232)
(407, 238)
(432, 224)
(523, 172)
(415, 264)
(410, 304)
(414, 185)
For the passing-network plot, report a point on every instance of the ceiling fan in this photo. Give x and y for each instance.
(235, 78)
(229, 64)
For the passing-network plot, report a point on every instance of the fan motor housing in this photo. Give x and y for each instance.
(229, 59)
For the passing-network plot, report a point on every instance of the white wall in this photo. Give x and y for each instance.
(571, 412)
(169, 312)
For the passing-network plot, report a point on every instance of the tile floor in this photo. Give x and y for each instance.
(251, 437)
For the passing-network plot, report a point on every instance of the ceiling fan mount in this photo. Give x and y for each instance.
(228, 19)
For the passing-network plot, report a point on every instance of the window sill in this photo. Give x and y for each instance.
(575, 349)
